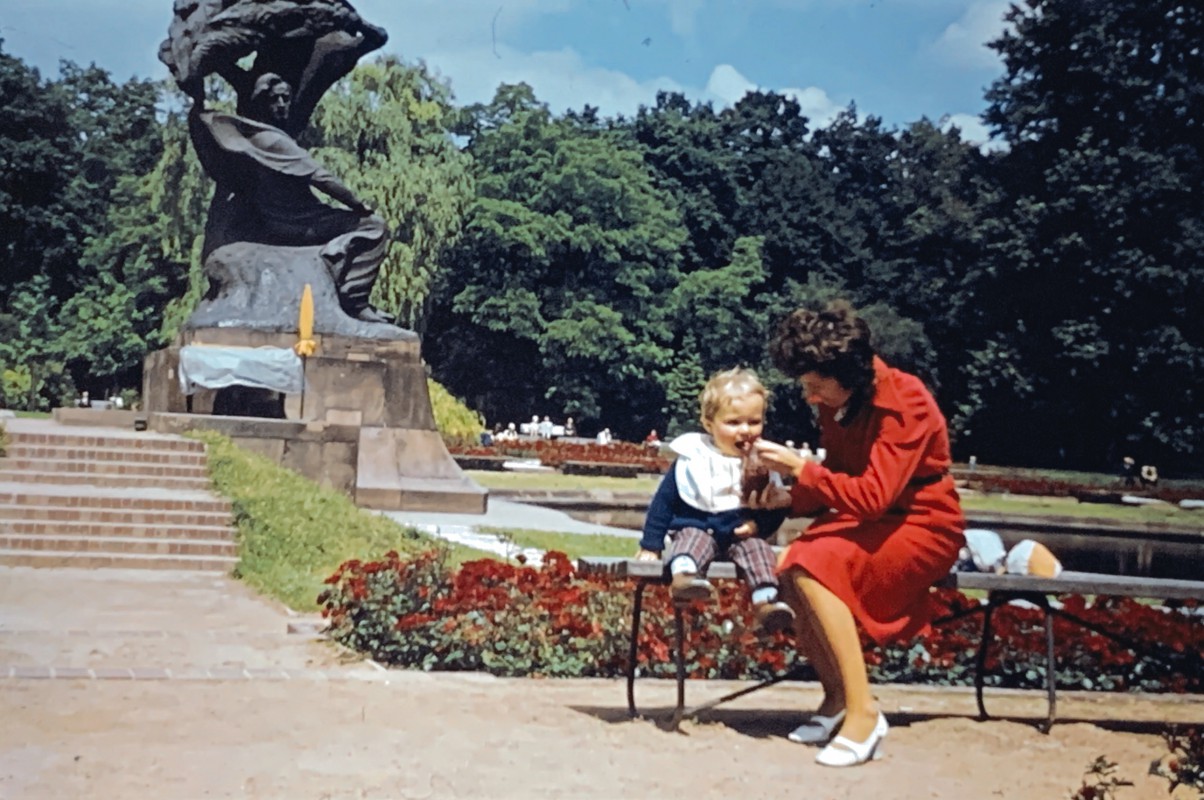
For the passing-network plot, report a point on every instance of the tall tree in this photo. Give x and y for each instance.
(145, 264)
(39, 160)
(554, 296)
(66, 144)
(384, 130)
(684, 146)
(1098, 302)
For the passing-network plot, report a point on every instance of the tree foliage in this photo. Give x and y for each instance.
(600, 268)
(384, 130)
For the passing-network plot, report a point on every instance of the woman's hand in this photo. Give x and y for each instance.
(647, 555)
(778, 457)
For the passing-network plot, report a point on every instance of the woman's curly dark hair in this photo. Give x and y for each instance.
(834, 342)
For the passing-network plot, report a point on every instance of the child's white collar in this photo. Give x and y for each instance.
(706, 478)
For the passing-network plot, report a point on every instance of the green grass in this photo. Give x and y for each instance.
(1020, 505)
(34, 414)
(571, 544)
(293, 534)
(987, 503)
(555, 482)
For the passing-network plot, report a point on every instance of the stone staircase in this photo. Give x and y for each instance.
(100, 497)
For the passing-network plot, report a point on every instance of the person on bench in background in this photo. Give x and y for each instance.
(889, 523)
(698, 502)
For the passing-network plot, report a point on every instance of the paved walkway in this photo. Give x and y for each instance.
(473, 530)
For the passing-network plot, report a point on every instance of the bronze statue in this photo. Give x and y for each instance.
(279, 56)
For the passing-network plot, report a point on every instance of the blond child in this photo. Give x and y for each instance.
(698, 504)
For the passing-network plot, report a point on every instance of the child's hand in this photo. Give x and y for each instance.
(773, 496)
(647, 555)
(746, 530)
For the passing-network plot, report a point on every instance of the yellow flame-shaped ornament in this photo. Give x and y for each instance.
(306, 345)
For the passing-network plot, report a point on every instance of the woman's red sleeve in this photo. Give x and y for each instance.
(896, 452)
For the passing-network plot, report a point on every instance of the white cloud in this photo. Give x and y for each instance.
(727, 85)
(963, 43)
(560, 79)
(972, 130)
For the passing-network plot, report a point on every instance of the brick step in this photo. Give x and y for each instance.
(121, 544)
(37, 558)
(118, 454)
(12, 494)
(85, 468)
(44, 527)
(152, 441)
(106, 480)
(94, 515)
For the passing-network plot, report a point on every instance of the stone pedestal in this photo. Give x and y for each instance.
(374, 386)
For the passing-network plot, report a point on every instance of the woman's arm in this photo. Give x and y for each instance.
(895, 453)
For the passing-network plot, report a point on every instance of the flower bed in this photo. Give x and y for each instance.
(550, 622)
(998, 480)
(555, 453)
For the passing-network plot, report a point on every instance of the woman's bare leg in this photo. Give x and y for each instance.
(810, 641)
(835, 626)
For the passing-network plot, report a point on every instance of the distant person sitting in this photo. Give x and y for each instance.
(1128, 471)
(652, 441)
(570, 429)
(83, 401)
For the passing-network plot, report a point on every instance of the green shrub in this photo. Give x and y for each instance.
(3, 440)
(292, 533)
(1184, 765)
(40, 387)
(458, 423)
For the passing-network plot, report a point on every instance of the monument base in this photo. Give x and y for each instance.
(363, 424)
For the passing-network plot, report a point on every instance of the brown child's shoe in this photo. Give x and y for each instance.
(687, 586)
(773, 617)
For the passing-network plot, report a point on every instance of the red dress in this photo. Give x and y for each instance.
(893, 524)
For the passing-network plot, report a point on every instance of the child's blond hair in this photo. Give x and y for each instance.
(726, 384)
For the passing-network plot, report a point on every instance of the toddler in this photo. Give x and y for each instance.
(698, 502)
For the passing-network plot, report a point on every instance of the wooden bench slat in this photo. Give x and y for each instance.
(620, 567)
(1085, 583)
(1066, 583)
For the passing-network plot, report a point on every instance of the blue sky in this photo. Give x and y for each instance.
(897, 59)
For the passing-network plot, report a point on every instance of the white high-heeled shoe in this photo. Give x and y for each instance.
(844, 752)
(818, 729)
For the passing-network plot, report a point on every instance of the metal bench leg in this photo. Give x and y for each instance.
(635, 646)
(981, 659)
(680, 656)
(1050, 668)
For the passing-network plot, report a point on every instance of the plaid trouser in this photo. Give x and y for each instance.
(754, 558)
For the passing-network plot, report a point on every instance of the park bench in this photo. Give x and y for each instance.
(1000, 589)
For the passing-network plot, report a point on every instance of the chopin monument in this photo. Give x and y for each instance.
(355, 413)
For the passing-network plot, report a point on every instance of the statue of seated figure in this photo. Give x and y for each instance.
(265, 183)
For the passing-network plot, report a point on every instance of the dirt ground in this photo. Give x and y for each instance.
(196, 689)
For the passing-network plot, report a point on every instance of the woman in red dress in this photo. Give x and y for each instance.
(888, 523)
